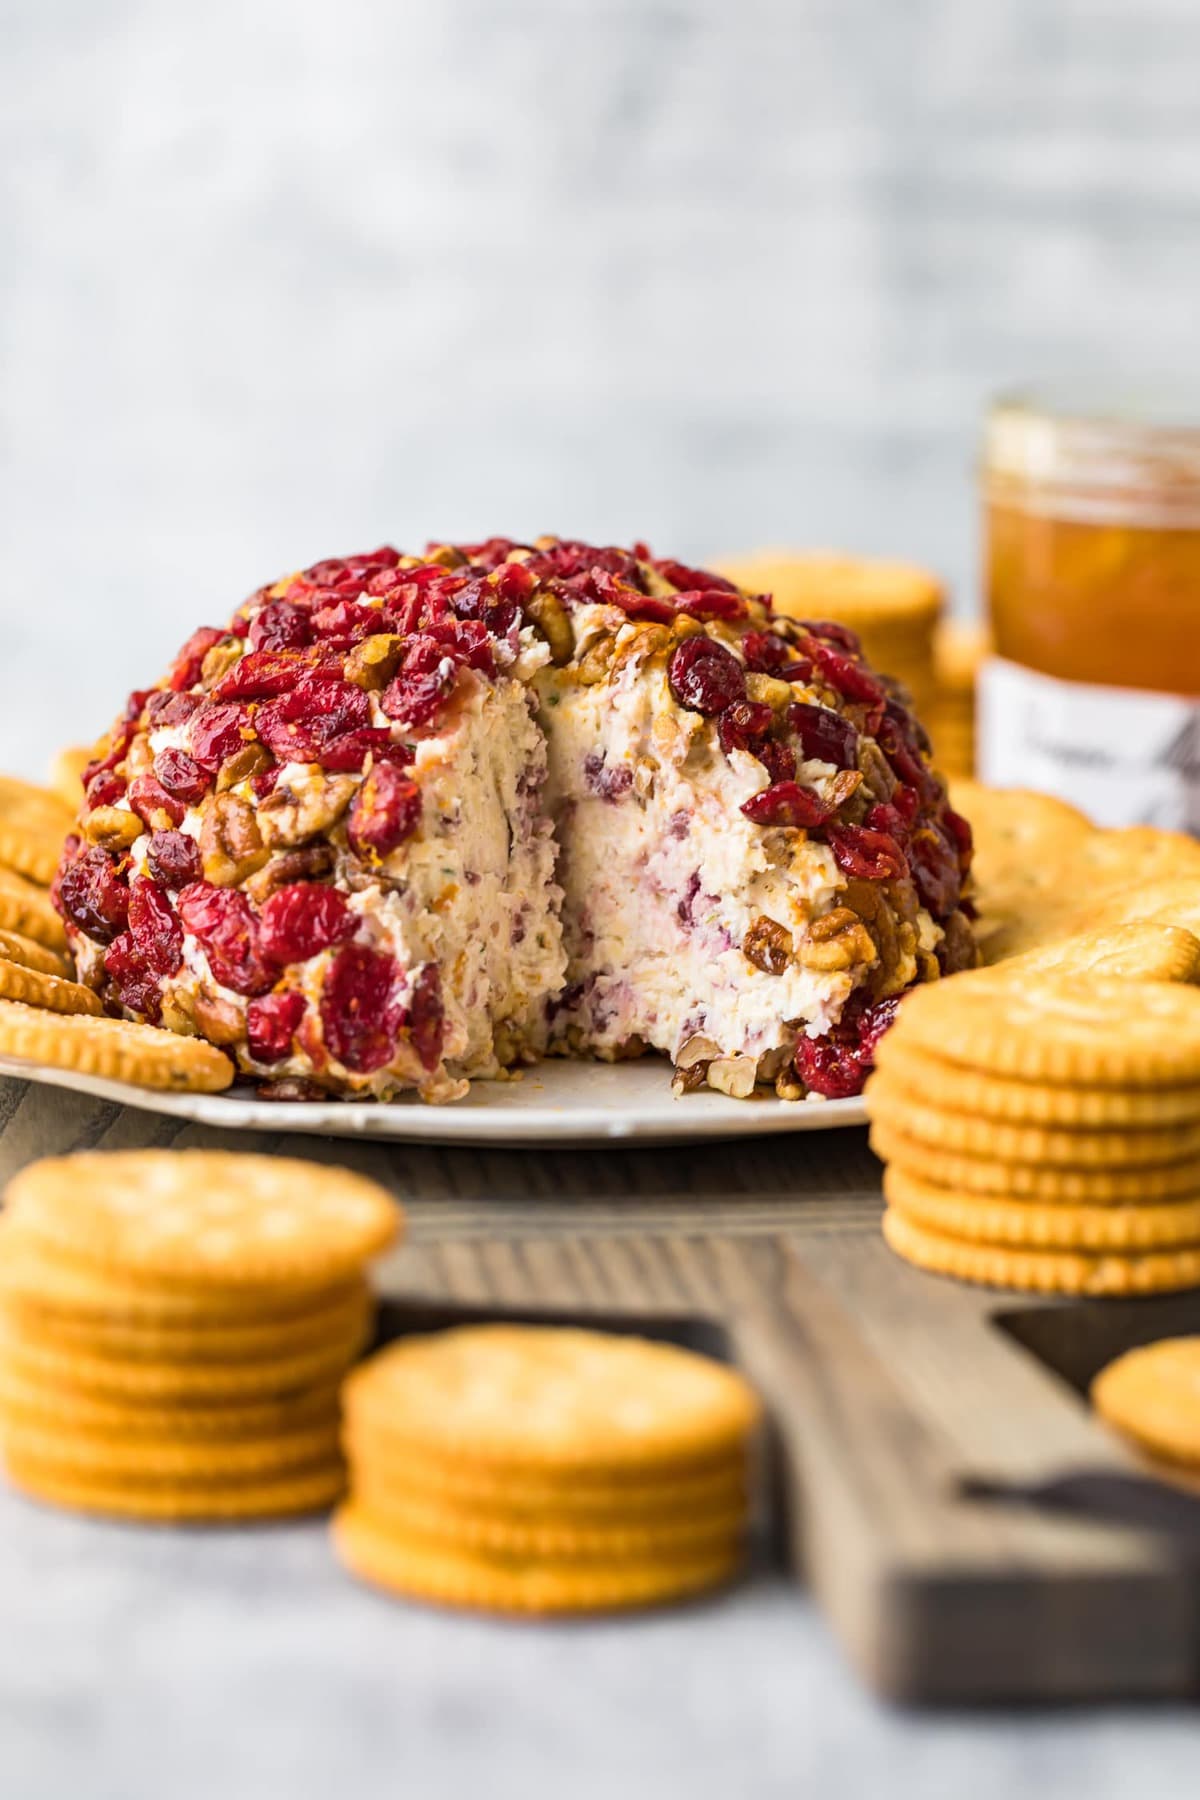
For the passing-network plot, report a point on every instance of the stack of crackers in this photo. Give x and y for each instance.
(174, 1327)
(1041, 1128)
(959, 648)
(1151, 1395)
(894, 607)
(1044, 873)
(45, 1015)
(530, 1469)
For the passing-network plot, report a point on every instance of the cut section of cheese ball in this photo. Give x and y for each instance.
(328, 840)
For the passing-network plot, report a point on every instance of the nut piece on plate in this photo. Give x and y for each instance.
(410, 820)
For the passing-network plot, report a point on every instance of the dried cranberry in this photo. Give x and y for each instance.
(765, 652)
(281, 625)
(824, 735)
(838, 1064)
(779, 760)
(426, 1017)
(319, 710)
(264, 674)
(266, 781)
(93, 896)
(904, 755)
(681, 576)
(173, 858)
(868, 855)
(787, 803)
(346, 755)
(182, 777)
(834, 633)
(302, 919)
(704, 677)
(361, 1008)
(514, 582)
(138, 987)
(960, 835)
(223, 922)
(185, 670)
(165, 708)
(149, 797)
(216, 732)
(740, 724)
(271, 1024)
(711, 603)
(935, 872)
(608, 784)
(105, 788)
(345, 623)
(154, 928)
(423, 680)
(849, 678)
(386, 812)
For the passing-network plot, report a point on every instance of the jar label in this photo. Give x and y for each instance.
(1123, 756)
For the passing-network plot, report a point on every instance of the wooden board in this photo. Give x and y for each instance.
(971, 1534)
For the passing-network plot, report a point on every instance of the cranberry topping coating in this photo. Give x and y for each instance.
(302, 919)
(224, 923)
(185, 670)
(271, 1024)
(156, 932)
(93, 896)
(766, 652)
(741, 725)
(148, 797)
(173, 859)
(281, 625)
(869, 855)
(849, 678)
(425, 677)
(319, 710)
(386, 812)
(265, 674)
(216, 732)
(426, 1017)
(138, 987)
(710, 603)
(105, 788)
(825, 736)
(704, 677)
(838, 1064)
(346, 755)
(934, 863)
(361, 1008)
(787, 803)
(181, 776)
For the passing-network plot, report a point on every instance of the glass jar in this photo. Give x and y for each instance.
(1092, 569)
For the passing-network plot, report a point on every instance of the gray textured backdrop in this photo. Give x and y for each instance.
(285, 279)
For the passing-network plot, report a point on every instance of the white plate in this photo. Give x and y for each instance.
(572, 1103)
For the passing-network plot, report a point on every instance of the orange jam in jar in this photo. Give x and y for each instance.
(1092, 569)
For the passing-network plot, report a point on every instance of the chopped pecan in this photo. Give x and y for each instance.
(310, 862)
(844, 784)
(876, 770)
(768, 945)
(112, 828)
(696, 1049)
(219, 660)
(733, 1075)
(371, 664)
(958, 949)
(836, 942)
(139, 758)
(594, 664)
(287, 818)
(179, 1011)
(687, 1081)
(767, 690)
(644, 772)
(219, 1020)
(231, 844)
(250, 760)
(553, 622)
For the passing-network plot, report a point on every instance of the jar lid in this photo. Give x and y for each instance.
(1131, 457)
